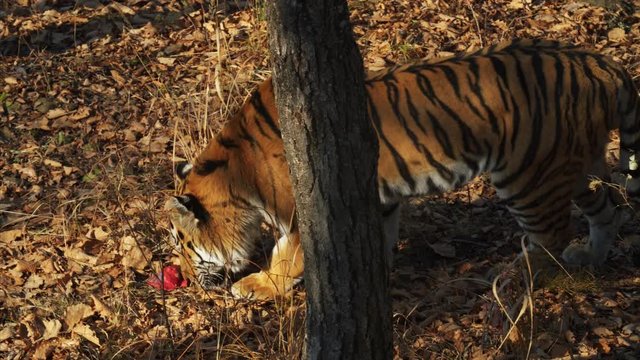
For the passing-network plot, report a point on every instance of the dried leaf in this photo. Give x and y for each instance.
(616, 35)
(25, 266)
(103, 309)
(55, 113)
(7, 331)
(516, 4)
(166, 60)
(27, 171)
(43, 351)
(34, 281)
(51, 328)
(570, 336)
(11, 80)
(118, 78)
(378, 64)
(10, 235)
(86, 332)
(98, 233)
(448, 327)
(604, 346)
(42, 124)
(48, 266)
(629, 328)
(122, 8)
(77, 254)
(75, 313)
(81, 113)
(52, 163)
(133, 254)
(602, 331)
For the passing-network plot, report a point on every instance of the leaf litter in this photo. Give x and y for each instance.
(99, 99)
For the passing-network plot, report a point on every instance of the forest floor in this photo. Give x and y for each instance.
(99, 98)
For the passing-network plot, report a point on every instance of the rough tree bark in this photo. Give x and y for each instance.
(332, 151)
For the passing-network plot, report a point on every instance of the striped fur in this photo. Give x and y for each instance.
(534, 114)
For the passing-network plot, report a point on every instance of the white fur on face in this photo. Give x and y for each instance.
(236, 261)
(185, 170)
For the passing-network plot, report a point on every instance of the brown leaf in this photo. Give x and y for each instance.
(43, 351)
(52, 163)
(448, 327)
(134, 255)
(118, 78)
(51, 328)
(27, 171)
(81, 113)
(602, 331)
(22, 266)
(378, 64)
(166, 60)
(10, 236)
(55, 113)
(75, 313)
(48, 266)
(629, 328)
(604, 346)
(98, 233)
(78, 255)
(616, 35)
(122, 8)
(515, 4)
(34, 281)
(103, 309)
(570, 336)
(11, 80)
(7, 331)
(86, 332)
(42, 124)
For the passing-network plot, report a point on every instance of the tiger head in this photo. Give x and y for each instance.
(240, 179)
(209, 229)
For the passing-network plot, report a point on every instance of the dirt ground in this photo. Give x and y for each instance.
(99, 98)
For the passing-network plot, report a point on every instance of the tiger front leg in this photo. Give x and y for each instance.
(286, 268)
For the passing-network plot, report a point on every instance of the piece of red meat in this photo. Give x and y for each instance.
(170, 277)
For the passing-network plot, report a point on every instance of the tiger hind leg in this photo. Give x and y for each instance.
(600, 203)
(544, 213)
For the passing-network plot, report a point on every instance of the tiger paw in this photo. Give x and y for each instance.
(580, 255)
(260, 286)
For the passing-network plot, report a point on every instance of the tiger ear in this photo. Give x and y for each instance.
(181, 214)
(183, 169)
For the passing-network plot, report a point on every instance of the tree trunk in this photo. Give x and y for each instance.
(332, 152)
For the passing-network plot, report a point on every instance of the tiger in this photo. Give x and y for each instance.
(533, 114)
